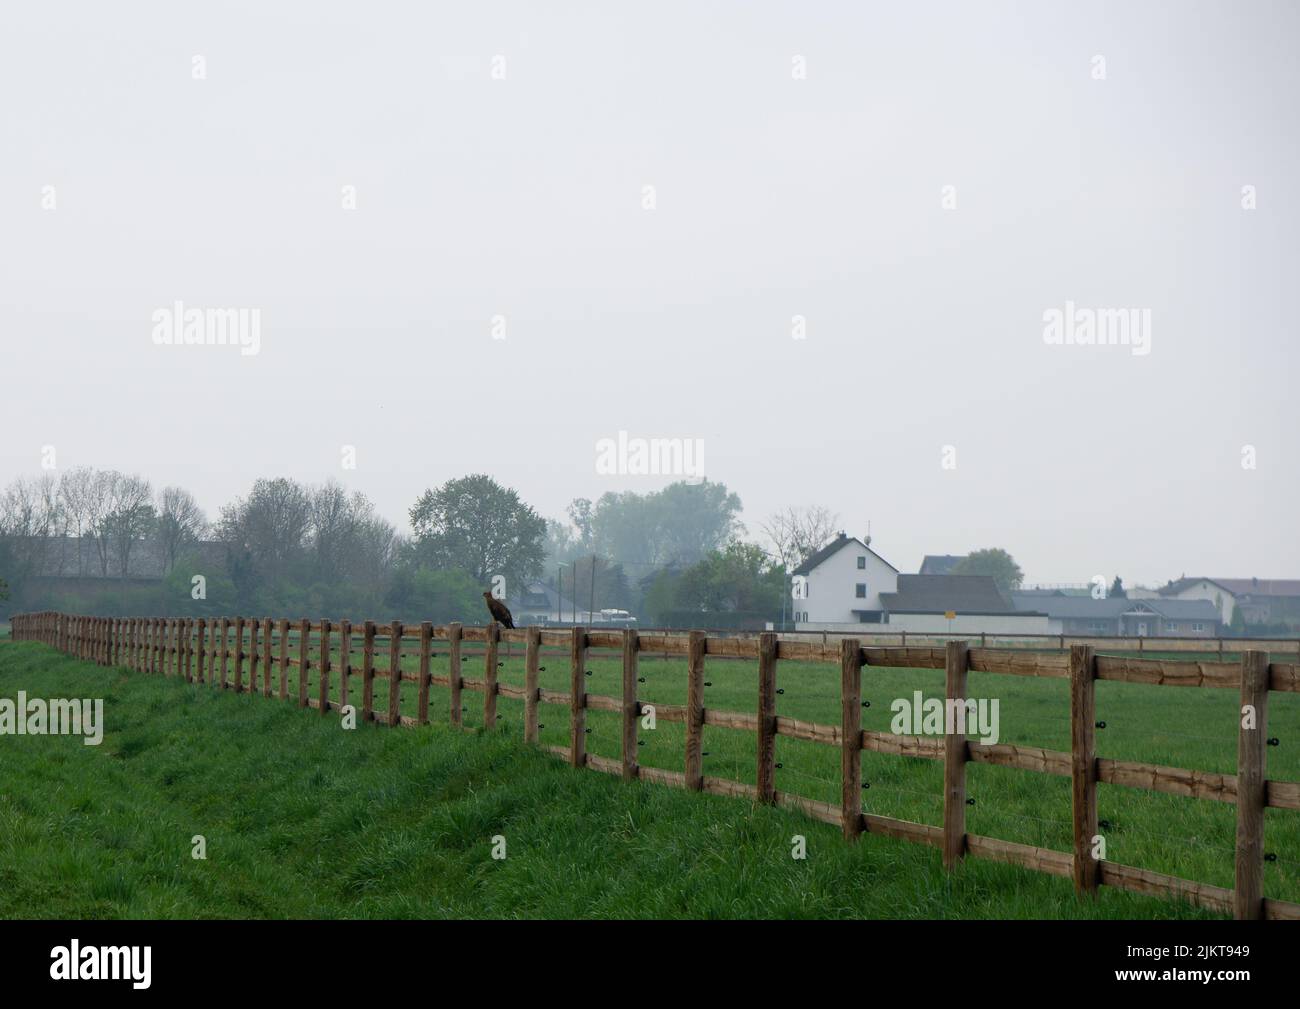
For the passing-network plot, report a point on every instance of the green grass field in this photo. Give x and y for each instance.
(303, 819)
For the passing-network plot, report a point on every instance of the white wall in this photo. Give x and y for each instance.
(937, 623)
(831, 587)
(1221, 598)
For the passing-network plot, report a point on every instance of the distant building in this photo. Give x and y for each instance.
(1117, 616)
(1261, 600)
(940, 564)
(846, 585)
(538, 603)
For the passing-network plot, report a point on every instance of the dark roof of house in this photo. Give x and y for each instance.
(1112, 607)
(940, 564)
(538, 595)
(941, 593)
(832, 548)
(1240, 586)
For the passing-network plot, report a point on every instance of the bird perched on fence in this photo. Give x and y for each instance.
(500, 612)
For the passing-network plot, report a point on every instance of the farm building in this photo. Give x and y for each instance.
(846, 584)
(1261, 600)
(1123, 617)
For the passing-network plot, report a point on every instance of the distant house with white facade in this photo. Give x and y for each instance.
(1261, 600)
(846, 585)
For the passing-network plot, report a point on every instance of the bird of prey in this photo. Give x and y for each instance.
(500, 613)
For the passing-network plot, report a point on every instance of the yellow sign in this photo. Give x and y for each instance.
(951, 614)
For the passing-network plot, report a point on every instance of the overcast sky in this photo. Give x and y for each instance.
(514, 187)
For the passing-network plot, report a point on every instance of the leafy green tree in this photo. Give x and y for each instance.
(996, 563)
(417, 594)
(1117, 590)
(473, 524)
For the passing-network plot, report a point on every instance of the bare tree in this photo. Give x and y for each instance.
(30, 518)
(270, 527)
(123, 504)
(180, 523)
(797, 533)
(75, 494)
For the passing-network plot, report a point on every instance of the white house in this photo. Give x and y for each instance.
(1220, 595)
(841, 584)
(846, 584)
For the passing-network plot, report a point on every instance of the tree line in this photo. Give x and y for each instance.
(107, 542)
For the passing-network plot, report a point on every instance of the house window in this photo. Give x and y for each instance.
(1096, 628)
(1171, 627)
(861, 590)
(1198, 627)
(862, 564)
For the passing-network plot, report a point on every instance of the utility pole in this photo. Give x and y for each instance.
(591, 599)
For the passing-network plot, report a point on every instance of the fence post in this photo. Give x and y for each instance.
(490, 675)
(395, 675)
(202, 627)
(187, 648)
(225, 652)
(578, 698)
(254, 653)
(767, 717)
(267, 630)
(133, 644)
(850, 738)
(453, 672)
(345, 659)
(956, 664)
(631, 709)
(323, 678)
(239, 654)
(695, 647)
(368, 671)
(422, 698)
(1083, 765)
(284, 660)
(532, 656)
(1252, 738)
(304, 659)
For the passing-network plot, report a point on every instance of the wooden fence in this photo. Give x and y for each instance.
(204, 651)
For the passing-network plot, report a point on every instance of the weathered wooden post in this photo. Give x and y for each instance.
(239, 654)
(426, 652)
(201, 647)
(395, 675)
(490, 675)
(956, 665)
(1083, 765)
(284, 659)
(225, 652)
(578, 697)
(453, 672)
(304, 659)
(850, 738)
(345, 659)
(532, 657)
(368, 672)
(1252, 740)
(631, 708)
(766, 778)
(695, 649)
(267, 630)
(323, 677)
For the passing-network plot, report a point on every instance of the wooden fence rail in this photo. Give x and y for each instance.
(201, 651)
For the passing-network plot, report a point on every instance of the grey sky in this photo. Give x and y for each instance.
(776, 197)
